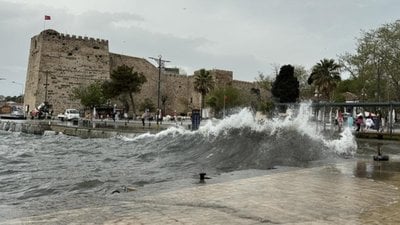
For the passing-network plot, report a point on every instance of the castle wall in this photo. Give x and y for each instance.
(32, 77)
(70, 61)
(222, 77)
(182, 97)
(65, 62)
(150, 88)
(178, 89)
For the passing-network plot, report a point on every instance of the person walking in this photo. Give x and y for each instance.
(144, 115)
(350, 121)
(340, 120)
(359, 122)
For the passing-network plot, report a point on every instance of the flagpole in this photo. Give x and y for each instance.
(46, 17)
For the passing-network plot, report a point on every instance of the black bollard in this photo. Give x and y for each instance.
(381, 158)
(203, 177)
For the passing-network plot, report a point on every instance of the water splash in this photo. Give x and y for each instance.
(240, 141)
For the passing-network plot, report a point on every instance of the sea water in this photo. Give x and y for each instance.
(54, 172)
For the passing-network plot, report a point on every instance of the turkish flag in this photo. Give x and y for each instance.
(47, 18)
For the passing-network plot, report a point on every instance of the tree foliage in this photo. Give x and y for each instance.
(89, 96)
(285, 88)
(325, 76)
(19, 98)
(122, 81)
(264, 82)
(147, 104)
(376, 63)
(301, 74)
(262, 102)
(224, 97)
(203, 83)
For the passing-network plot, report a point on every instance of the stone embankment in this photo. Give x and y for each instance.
(83, 128)
(33, 127)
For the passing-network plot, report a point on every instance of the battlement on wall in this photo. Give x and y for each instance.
(175, 75)
(61, 36)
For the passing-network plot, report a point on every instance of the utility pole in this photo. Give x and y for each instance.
(160, 63)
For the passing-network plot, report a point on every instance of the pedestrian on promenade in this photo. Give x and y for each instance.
(340, 120)
(350, 121)
(359, 122)
(369, 123)
(144, 118)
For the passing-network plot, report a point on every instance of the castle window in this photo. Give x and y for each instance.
(69, 54)
(96, 47)
(35, 44)
(191, 100)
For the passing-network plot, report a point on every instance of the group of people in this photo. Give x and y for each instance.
(147, 116)
(369, 122)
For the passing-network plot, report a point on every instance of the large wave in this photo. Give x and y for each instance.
(240, 141)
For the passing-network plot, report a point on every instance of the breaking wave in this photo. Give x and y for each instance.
(241, 141)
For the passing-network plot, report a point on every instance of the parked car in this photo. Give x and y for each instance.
(69, 114)
(18, 114)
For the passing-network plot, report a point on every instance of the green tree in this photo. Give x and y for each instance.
(301, 74)
(376, 63)
(124, 81)
(226, 98)
(18, 99)
(90, 96)
(203, 83)
(345, 86)
(147, 104)
(265, 83)
(325, 76)
(285, 88)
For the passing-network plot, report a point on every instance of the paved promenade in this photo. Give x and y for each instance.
(325, 195)
(332, 194)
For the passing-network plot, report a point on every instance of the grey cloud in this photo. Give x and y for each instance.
(233, 35)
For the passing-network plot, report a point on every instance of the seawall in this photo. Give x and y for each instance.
(83, 129)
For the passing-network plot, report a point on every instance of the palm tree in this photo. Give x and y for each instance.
(325, 76)
(203, 84)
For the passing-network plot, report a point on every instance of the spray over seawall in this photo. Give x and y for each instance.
(240, 141)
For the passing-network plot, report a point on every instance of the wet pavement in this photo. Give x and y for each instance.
(354, 192)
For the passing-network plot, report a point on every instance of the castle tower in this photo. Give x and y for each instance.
(58, 63)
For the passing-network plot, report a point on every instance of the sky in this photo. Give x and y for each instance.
(247, 37)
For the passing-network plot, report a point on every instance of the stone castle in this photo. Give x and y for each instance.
(59, 62)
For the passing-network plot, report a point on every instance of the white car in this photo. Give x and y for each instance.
(69, 114)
